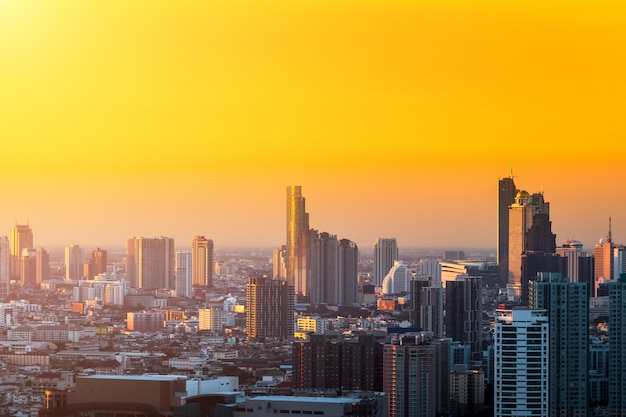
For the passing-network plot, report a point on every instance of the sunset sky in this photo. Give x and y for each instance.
(123, 118)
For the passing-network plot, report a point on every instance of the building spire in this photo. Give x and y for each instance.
(610, 239)
(511, 171)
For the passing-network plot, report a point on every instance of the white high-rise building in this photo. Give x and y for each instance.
(385, 253)
(5, 262)
(184, 274)
(521, 363)
(74, 259)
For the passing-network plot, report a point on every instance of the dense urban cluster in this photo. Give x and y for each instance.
(316, 326)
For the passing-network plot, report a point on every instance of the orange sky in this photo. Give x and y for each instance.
(122, 118)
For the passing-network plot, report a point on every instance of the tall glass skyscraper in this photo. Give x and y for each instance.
(298, 242)
(21, 238)
(506, 197)
(567, 304)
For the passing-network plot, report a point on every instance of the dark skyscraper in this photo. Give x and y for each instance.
(463, 320)
(506, 197)
(567, 305)
(99, 261)
(269, 308)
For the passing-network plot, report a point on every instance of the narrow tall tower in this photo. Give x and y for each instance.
(202, 261)
(506, 197)
(297, 241)
(21, 238)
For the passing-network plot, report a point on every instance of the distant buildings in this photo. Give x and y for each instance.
(521, 363)
(211, 318)
(385, 253)
(269, 308)
(427, 305)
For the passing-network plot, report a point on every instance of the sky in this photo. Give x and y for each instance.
(125, 118)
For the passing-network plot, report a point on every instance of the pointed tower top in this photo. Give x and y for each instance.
(511, 171)
(610, 239)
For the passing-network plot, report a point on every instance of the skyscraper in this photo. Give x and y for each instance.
(269, 308)
(298, 242)
(463, 319)
(529, 231)
(21, 237)
(567, 304)
(521, 363)
(617, 346)
(183, 274)
(74, 259)
(202, 261)
(427, 305)
(5, 268)
(416, 376)
(506, 197)
(385, 253)
(151, 262)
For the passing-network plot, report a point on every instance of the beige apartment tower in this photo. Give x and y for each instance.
(202, 261)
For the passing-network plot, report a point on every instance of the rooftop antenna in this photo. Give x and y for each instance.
(511, 171)
(610, 237)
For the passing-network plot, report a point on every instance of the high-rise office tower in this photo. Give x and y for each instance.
(298, 243)
(42, 265)
(427, 305)
(74, 259)
(567, 305)
(151, 262)
(269, 308)
(521, 363)
(385, 253)
(183, 274)
(617, 346)
(506, 197)
(529, 231)
(202, 261)
(416, 376)
(333, 270)
(5, 268)
(99, 261)
(21, 237)
(463, 319)
(28, 266)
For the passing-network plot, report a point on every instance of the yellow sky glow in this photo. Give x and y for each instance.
(123, 118)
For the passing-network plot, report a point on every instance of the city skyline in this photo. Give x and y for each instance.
(397, 119)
